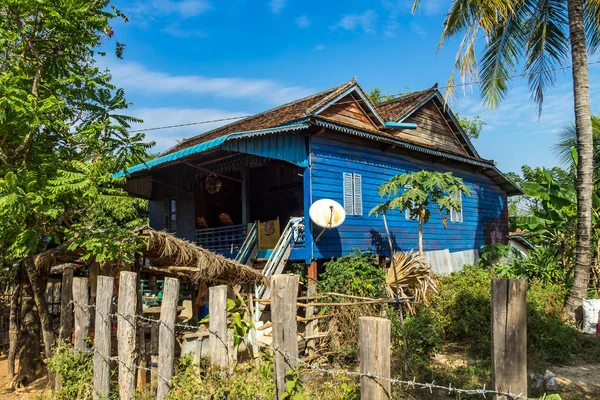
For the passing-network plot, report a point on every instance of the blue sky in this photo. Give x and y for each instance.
(194, 60)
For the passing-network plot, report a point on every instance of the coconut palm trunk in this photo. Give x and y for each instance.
(585, 147)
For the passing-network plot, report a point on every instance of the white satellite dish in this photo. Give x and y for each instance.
(327, 214)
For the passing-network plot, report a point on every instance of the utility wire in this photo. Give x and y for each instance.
(393, 96)
(189, 124)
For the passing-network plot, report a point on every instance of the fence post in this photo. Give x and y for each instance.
(126, 334)
(82, 312)
(374, 345)
(311, 325)
(217, 325)
(66, 306)
(166, 337)
(153, 355)
(285, 331)
(509, 336)
(102, 334)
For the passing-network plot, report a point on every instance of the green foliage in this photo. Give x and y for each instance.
(462, 307)
(471, 126)
(423, 338)
(422, 191)
(75, 371)
(541, 264)
(356, 274)
(63, 132)
(378, 96)
(294, 387)
(205, 381)
(239, 325)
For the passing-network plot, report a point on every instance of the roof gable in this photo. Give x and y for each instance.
(432, 130)
(406, 108)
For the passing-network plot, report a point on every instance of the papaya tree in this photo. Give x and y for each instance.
(420, 193)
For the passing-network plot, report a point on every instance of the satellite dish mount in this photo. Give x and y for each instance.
(327, 214)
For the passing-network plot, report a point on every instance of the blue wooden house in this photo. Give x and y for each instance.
(244, 190)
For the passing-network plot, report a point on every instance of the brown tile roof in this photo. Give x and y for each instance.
(396, 109)
(270, 118)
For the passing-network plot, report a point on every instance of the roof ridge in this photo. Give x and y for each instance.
(332, 89)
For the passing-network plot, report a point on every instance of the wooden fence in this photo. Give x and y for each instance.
(134, 368)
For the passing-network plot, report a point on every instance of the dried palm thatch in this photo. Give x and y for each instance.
(412, 279)
(181, 257)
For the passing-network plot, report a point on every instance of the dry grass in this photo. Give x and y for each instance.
(412, 279)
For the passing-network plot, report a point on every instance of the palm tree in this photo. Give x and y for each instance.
(540, 35)
(568, 140)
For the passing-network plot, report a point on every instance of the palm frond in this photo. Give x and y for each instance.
(548, 46)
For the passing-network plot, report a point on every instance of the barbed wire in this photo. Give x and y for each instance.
(407, 384)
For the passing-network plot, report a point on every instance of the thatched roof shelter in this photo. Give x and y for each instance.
(174, 256)
(169, 256)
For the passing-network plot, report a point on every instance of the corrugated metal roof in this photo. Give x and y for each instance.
(208, 145)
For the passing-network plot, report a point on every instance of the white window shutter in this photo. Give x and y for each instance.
(348, 193)
(455, 215)
(358, 202)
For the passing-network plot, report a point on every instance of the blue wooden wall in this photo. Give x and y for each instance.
(484, 213)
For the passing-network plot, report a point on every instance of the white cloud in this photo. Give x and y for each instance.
(319, 47)
(164, 116)
(136, 77)
(176, 30)
(352, 22)
(418, 29)
(183, 8)
(303, 21)
(277, 5)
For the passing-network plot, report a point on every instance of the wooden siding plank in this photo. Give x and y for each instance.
(485, 211)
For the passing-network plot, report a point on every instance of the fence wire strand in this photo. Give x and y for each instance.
(406, 384)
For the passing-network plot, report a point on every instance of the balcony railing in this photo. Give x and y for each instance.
(226, 240)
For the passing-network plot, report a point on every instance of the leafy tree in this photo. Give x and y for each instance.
(471, 126)
(568, 140)
(541, 36)
(525, 204)
(62, 135)
(422, 192)
(378, 96)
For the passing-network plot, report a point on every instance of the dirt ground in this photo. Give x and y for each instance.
(35, 391)
(574, 382)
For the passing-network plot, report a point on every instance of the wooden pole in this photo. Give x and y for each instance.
(141, 332)
(217, 325)
(82, 312)
(374, 345)
(126, 334)
(66, 306)
(166, 336)
(311, 325)
(285, 331)
(104, 291)
(153, 355)
(509, 336)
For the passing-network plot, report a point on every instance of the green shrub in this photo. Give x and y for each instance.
(75, 371)
(462, 306)
(205, 381)
(355, 274)
(541, 264)
(423, 338)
